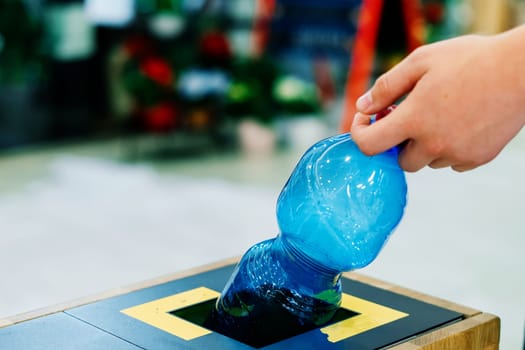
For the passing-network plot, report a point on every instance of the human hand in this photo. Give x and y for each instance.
(465, 100)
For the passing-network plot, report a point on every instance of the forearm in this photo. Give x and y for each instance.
(509, 50)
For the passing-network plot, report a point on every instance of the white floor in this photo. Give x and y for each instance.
(76, 220)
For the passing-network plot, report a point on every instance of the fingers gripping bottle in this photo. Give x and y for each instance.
(335, 213)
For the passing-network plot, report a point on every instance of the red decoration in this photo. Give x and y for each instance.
(158, 70)
(215, 45)
(161, 118)
(434, 12)
(137, 46)
(265, 10)
(324, 80)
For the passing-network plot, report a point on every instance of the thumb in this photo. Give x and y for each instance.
(380, 136)
(392, 85)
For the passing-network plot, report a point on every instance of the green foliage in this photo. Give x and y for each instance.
(20, 34)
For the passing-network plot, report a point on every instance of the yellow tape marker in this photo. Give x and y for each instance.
(156, 312)
(371, 316)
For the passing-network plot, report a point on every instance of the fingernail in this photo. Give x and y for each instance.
(364, 101)
(358, 119)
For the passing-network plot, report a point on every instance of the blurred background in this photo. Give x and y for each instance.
(143, 137)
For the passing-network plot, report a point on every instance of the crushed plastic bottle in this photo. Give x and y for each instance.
(335, 213)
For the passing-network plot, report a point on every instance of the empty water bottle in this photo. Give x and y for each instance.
(334, 213)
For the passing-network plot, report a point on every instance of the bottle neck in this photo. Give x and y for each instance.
(294, 256)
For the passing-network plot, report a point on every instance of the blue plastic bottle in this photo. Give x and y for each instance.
(335, 213)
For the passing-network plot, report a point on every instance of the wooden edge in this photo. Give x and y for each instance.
(112, 293)
(478, 332)
(467, 311)
(5, 323)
